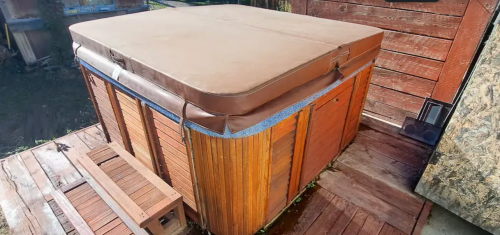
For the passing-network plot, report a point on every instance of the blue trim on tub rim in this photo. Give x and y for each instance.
(257, 128)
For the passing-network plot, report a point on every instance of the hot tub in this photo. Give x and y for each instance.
(238, 108)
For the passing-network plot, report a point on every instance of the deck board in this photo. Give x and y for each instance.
(25, 208)
(28, 179)
(368, 191)
(36, 171)
(327, 211)
(57, 167)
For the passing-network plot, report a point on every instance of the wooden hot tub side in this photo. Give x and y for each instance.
(239, 154)
(244, 183)
(234, 185)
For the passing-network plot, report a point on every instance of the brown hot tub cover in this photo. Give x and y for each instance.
(234, 65)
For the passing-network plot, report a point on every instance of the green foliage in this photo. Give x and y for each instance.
(38, 142)
(284, 6)
(299, 199)
(312, 184)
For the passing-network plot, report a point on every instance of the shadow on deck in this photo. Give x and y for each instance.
(369, 190)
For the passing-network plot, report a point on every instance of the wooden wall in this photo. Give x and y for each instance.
(360, 90)
(146, 134)
(233, 180)
(173, 155)
(427, 47)
(104, 110)
(282, 150)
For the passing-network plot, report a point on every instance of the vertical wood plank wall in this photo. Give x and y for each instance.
(426, 51)
(233, 180)
(103, 104)
(282, 150)
(174, 156)
(326, 125)
(360, 90)
(136, 132)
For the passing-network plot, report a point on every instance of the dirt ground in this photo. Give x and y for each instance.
(41, 104)
(4, 228)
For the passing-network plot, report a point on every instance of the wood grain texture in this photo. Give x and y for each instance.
(148, 121)
(134, 126)
(85, 73)
(93, 210)
(422, 219)
(70, 212)
(403, 82)
(429, 47)
(328, 217)
(298, 154)
(324, 134)
(462, 51)
(445, 7)
(343, 186)
(24, 206)
(299, 6)
(489, 5)
(78, 148)
(393, 115)
(67, 226)
(235, 198)
(372, 225)
(283, 134)
(129, 206)
(118, 114)
(381, 182)
(356, 105)
(387, 229)
(101, 96)
(396, 99)
(36, 171)
(317, 202)
(173, 155)
(427, 24)
(57, 167)
(408, 64)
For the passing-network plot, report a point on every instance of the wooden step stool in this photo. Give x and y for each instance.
(87, 212)
(146, 198)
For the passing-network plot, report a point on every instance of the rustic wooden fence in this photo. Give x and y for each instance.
(427, 49)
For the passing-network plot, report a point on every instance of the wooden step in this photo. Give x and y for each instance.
(87, 211)
(360, 195)
(146, 198)
(381, 178)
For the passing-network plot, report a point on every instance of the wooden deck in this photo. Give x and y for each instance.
(28, 179)
(369, 190)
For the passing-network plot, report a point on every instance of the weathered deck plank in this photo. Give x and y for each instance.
(38, 174)
(57, 167)
(92, 137)
(25, 208)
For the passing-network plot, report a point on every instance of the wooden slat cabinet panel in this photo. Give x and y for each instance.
(282, 150)
(134, 126)
(360, 90)
(233, 180)
(326, 124)
(173, 155)
(104, 107)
